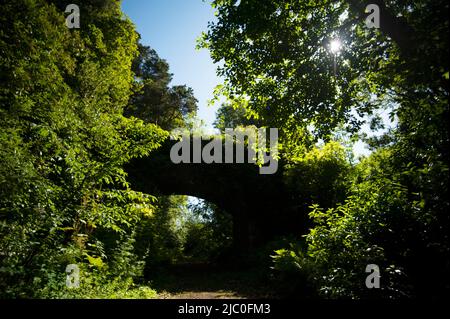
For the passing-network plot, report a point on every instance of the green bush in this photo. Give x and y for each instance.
(293, 272)
(381, 222)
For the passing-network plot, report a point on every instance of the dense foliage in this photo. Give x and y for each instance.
(154, 101)
(391, 208)
(77, 105)
(63, 143)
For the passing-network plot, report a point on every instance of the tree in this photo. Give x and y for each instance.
(63, 143)
(155, 101)
(232, 116)
(276, 53)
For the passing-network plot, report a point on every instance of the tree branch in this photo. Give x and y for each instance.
(394, 27)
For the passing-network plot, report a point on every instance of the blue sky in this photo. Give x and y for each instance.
(171, 27)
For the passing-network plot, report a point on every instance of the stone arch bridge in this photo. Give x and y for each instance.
(259, 204)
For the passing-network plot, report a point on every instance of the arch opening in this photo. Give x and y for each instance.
(185, 230)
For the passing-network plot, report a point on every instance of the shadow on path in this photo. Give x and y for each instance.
(207, 281)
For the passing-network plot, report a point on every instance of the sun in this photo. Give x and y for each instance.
(335, 46)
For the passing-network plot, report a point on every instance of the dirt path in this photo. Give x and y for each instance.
(200, 295)
(203, 281)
